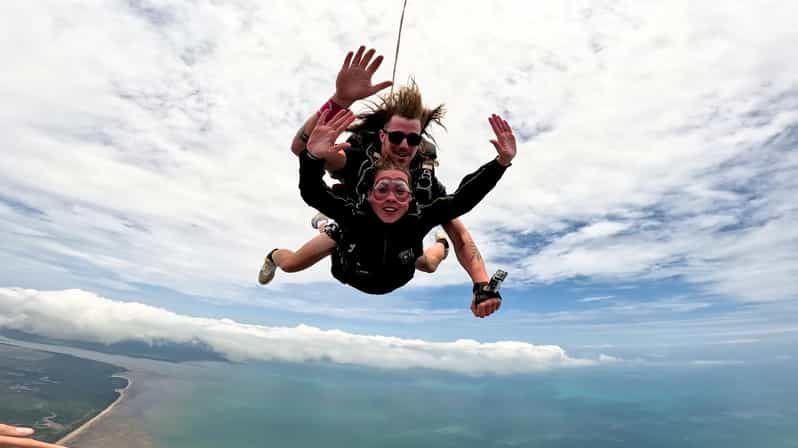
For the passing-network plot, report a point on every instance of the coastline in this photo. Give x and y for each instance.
(79, 430)
(124, 423)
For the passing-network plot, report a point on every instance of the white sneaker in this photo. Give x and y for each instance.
(266, 273)
(440, 237)
(319, 220)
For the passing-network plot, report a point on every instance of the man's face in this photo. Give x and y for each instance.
(390, 195)
(407, 128)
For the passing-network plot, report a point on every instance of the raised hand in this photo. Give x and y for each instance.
(322, 139)
(505, 140)
(354, 79)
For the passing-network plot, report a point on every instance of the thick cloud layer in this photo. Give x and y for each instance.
(84, 316)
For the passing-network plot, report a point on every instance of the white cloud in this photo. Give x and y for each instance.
(608, 359)
(82, 315)
(735, 341)
(719, 362)
(146, 142)
(595, 299)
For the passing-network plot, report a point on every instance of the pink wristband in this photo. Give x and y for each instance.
(332, 107)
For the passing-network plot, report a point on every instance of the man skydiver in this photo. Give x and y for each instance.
(354, 83)
(378, 241)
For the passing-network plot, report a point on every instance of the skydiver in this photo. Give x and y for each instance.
(377, 243)
(354, 164)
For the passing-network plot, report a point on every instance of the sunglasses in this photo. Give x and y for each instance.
(399, 188)
(396, 137)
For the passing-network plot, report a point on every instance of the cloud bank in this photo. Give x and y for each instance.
(84, 316)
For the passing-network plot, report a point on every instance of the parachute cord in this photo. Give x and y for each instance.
(398, 40)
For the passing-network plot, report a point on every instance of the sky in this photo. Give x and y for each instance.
(648, 216)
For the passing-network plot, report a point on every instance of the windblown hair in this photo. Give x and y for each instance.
(384, 164)
(404, 102)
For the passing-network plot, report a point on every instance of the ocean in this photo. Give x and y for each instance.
(618, 406)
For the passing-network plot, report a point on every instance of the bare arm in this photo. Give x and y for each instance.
(466, 250)
(300, 140)
(312, 187)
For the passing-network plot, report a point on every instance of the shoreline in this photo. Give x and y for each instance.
(80, 429)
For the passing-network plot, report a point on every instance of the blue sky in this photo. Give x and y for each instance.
(650, 212)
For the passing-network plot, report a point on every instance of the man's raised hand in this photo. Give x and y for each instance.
(505, 140)
(322, 140)
(354, 79)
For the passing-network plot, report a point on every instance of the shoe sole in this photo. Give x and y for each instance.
(440, 237)
(265, 277)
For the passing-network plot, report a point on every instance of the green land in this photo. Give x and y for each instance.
(51, 392)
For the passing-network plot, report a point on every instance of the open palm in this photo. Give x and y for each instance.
(322, 139)
(505, 140)
(354, 79)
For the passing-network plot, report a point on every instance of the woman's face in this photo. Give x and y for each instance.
(390, 195)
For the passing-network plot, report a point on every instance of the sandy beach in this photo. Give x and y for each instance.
(122, 392)
(124, 423)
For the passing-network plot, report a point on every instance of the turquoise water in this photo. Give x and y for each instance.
(333, 406)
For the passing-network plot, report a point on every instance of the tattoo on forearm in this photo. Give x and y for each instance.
(475, 255)
(301, 135)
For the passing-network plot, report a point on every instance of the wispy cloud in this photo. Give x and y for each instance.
(595, 299)
(718, 362)
(81, 315)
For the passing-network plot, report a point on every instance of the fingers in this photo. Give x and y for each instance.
(347, 61)
(499, 124)
(338, 147)
(494, 124)
(322, 119)
(505, 140)
(493, 306)
(358, 56)
(342, 120)
(380, 86)
(16, 442)
(7, 430)
(363, 60)
(372, 68)
(485, 308)
(367, 58)
(13, 437)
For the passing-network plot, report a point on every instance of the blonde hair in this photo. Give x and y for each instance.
(405, 102)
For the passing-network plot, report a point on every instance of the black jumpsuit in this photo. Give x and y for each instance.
(376, 257)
